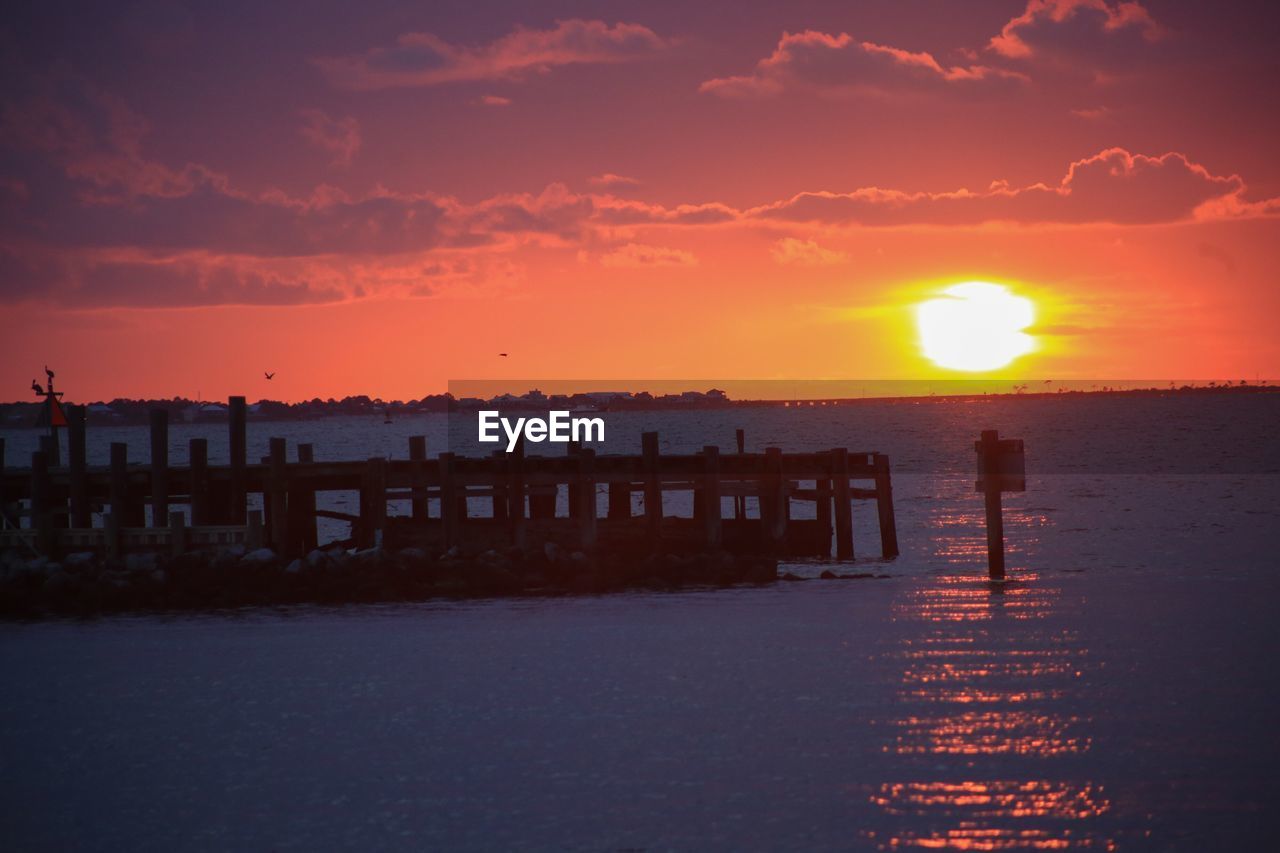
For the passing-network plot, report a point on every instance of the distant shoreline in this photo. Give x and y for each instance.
(23, 414)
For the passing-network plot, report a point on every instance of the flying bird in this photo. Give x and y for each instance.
(502, 355)
(269, 375)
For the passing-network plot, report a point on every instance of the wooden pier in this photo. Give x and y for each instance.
(495, 501)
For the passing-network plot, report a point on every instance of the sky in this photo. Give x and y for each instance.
(379, 198)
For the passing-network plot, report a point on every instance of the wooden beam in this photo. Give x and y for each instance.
(238, 462)
(417, 476)
(841, 503)
(302, 503)
(586, 493)
(159, 467)
(652, 488)
(884, 508)
(276, 498)
(198, 460)
(41, 502)
(712, 527)
(81, 516)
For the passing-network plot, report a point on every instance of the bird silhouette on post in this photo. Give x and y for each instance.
(269, 375)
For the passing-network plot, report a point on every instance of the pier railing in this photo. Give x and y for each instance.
(469, 502)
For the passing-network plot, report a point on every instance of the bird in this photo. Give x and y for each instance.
(502, 355)
(269, 375)
(35, 386)
(48, 372)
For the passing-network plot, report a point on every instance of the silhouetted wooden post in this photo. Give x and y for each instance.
(377, 474)
(81, 516)
(740, 501)
(586, 493)
(239, 459)
(302, 503)
(41, 509)
(571, 449)
(842, 504)
(57, 509)
(1001, 468)
(198, 463)
(253, 530)
(448, 500)
(884, 507)
(126, 508)
(652, 488)
(619, 500)
(822, 512)
(177, 533)
(159, 468)
(417, 477)
(773, 512)
(712, 527)
(499, 501)
(515, 494)
(277, 497)
(111, 528)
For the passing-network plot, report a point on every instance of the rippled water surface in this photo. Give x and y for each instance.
(1121, 694)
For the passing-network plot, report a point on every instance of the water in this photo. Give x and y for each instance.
(1122, 695)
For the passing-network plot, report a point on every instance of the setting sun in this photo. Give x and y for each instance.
(975, 326)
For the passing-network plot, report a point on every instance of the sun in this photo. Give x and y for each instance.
(975, 326)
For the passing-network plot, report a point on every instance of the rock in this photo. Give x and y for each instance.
(236, 551)
(58, 583)
(413, 555)
(551, 550)
(79, 560)
(578, 558)
(317, 558)
(141, 563)
(259, 557)
(787, 576)
(828, 575)
(294, 568)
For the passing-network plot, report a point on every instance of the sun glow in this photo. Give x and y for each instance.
(975, 326)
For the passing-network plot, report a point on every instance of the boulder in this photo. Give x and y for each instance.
(260, 557)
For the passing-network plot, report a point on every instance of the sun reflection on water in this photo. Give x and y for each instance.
(985, 719)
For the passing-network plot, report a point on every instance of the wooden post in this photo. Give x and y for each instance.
(573, 448)
(992, 500)
(198, 463)
(111, 524)
(239, 459)
(515, 494)
(884, 507)
(377, 473)
(124, 506)
(76, 457)
(740, 501)
(57, 509)
(253, 530)
(41, 509)
(711, 497)
(7, 519)
(822, 512)
(277, 497)
(773, 515)
(619, 500)
(499, 502)
(448, 500)
(302, 503)
(842, 504)
(159, 468)
(652, 488)
(586, 484)
(177, 533)
(417, 476)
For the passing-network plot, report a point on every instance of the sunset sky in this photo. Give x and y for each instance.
(380, 197)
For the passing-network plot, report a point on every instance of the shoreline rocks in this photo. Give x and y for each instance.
(84, 584)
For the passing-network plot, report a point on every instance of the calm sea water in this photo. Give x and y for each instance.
(1122, 695)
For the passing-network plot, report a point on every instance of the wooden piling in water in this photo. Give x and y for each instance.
(515, 495)
(841, 503)
(586, 494)
(449, 500)
(277, 496)
(740, 501)
(417, 476)
(239, 460)
(773, 512)
(498, 502)
(302, 506)
(884, 507)
(81, 514)
(652, 488)
(712, 526)
(198, 460)
(159, 467)
(177, 533)
(377, 500)
(7, 517)
(822, 514)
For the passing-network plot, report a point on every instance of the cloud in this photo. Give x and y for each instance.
(1113, 186)
(838, 64)
(1059, 26)
(339, 137)
(423, 59)
(494, 101)
(609, 179)
(791, 250)
(640, 256)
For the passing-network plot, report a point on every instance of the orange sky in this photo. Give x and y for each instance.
(628, 190)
